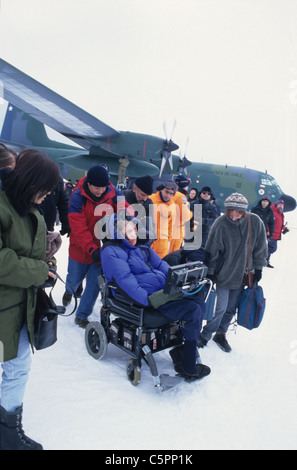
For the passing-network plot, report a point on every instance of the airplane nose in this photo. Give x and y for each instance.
(290, 202)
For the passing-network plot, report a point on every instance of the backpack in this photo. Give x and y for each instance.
(250, 307)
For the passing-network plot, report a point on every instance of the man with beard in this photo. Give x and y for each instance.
(279, 227)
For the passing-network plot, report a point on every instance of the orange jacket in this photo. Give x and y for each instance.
(183, 215)
(164, 215)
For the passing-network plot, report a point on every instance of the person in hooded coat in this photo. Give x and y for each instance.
(264, 211)
(209, 212)
(279, 228)
(140, 273)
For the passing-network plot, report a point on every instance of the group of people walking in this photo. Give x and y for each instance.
(130, 250)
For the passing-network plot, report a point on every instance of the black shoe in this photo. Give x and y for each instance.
(66, 298)
(270, 266)
(200, 372)
(12, 436)
(83, 323)
(221, 341)
(201, 342)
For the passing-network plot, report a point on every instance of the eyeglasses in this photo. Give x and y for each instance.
(205, 192)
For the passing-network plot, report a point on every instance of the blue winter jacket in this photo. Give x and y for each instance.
(137, 270)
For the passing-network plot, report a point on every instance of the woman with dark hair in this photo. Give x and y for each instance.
(23, 268)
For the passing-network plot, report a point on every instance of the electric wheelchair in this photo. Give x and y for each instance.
(142, 331)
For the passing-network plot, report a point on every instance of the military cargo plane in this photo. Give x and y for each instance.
(32, 108)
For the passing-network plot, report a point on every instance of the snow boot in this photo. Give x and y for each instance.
(82, 323)
(12, 436)
(66, 298)
(221, 341)
(186, 366)
(177, 356)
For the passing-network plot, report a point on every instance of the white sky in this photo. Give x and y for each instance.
(226, 70)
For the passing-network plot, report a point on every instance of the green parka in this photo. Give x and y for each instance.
(22, 267)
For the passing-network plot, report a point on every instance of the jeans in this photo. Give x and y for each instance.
(225, 311)
(76, 274)
(15, 375)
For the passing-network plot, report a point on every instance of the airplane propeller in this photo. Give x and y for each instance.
(168, 147)
(184, 162)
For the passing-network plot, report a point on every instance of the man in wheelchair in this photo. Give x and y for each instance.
(139, 272)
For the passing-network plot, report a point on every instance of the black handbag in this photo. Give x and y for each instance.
(46, 318)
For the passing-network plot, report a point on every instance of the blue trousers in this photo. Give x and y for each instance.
(15, 375)
(189, 310)
(225, 311)
(76, 274)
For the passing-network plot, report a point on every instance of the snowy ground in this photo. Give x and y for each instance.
(248, 401)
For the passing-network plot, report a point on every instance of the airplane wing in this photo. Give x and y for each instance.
(51, 109)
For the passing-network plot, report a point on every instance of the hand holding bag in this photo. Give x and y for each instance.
(46, 318)
(46, 321)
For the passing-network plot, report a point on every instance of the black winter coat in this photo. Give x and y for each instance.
(57, 200)
(267, 216)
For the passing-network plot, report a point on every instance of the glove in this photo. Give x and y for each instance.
(159, 298)
(286, 230)
(96, 256)
(65, 230)
(212, 277)
(257, 275)
(50, 281)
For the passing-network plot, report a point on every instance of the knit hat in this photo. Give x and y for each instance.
(98, 176)
(236, 202)
(182, 181)
(280, 201)
(145, 184)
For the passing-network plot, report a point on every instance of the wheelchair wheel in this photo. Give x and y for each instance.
(96, 340)
(133, 372)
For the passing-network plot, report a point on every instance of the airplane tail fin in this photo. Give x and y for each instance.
(22, 129)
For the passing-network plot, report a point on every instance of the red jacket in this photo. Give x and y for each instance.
(82, 220)
(279, 226)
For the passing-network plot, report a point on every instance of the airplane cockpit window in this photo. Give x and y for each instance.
(269, 186)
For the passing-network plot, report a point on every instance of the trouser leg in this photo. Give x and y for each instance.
(15, 375)
(90, 292)
(230, 311)
(225, 310)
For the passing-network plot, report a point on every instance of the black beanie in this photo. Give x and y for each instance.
(98, 176)
(145, 184)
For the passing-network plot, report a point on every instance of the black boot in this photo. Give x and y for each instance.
(12, 436)
(66, 298)
(177, 356)
(187, 366)
(221, 341)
